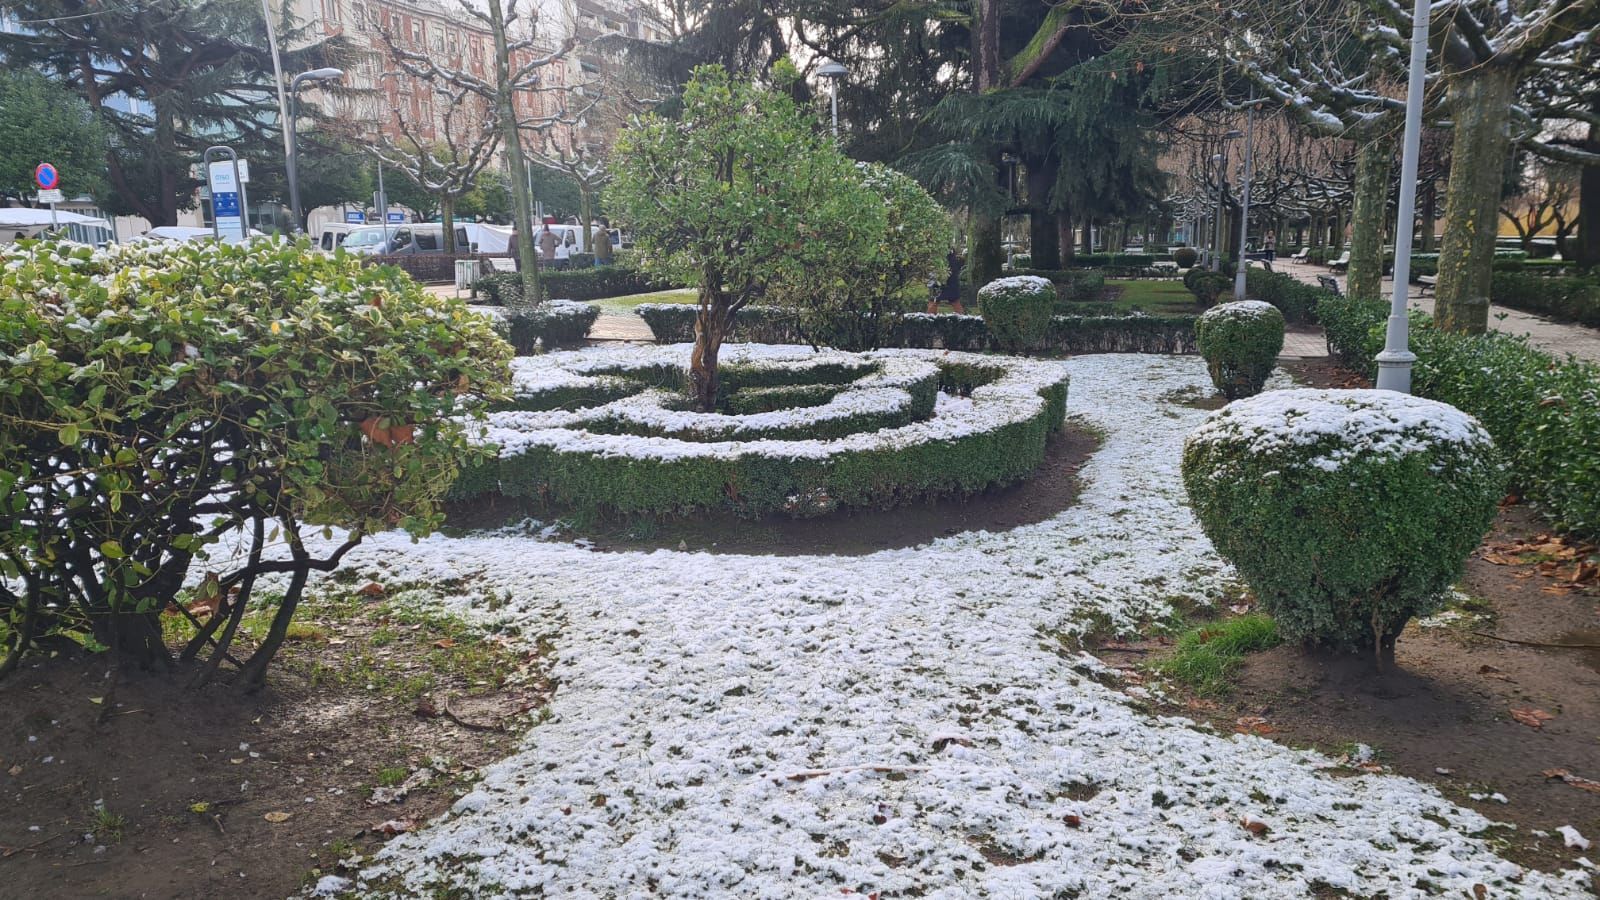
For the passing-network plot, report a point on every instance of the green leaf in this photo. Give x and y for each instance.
(112, 550)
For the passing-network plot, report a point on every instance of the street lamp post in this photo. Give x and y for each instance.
(315, 75)
(1244, 197)
(1394, 363)
(834, 73)
(1221, 160)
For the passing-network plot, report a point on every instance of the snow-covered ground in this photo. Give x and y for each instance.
(906, 723)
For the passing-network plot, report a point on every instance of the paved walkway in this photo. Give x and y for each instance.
(1556, 337)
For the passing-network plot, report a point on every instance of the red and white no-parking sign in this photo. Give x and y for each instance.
(46, 176)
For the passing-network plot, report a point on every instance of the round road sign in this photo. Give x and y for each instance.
(47, 177)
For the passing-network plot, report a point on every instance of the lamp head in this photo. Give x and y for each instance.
(832, 71)
(324, 74)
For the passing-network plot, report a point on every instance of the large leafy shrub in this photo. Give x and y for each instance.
(1017, 311)
(160, 401)
(595, 283)
(1347, 512)
(1543, 412)
(1240, 343)
(1185, 257)
(1072, 284)
(856, 299)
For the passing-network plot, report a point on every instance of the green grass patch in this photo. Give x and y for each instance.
(1156, 297)
(1206, 656)
(618, 305)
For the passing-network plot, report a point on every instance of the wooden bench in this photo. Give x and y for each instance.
(1331, 284)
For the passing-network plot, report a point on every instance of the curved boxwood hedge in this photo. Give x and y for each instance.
(559, 323)
(993, 434)
(1347, 512)
(1017, 310)
(1542, 411)
(673, 323)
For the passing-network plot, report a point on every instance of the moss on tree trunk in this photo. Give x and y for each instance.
(1480, 100)
(1367, 218)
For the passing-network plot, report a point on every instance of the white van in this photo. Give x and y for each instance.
(425, 238)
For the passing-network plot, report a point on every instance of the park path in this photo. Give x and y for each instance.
(1557, 337)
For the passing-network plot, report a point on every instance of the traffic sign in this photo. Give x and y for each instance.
(225, 201)
(355, 217)
(46, 176)
(51, 196)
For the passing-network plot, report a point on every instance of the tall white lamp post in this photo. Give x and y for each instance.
(1394, 363)
(834, 73)
(1244, 198)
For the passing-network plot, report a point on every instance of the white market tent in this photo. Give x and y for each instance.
(29, 223)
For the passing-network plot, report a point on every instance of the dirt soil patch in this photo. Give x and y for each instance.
(1053, 487)
(135, 787)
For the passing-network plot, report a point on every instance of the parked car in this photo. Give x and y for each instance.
(425, 238)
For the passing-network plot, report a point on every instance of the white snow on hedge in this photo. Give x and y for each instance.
(1344, 424)
(908, 722)
(1020, 284)
(1013, 397)
(1241, 309)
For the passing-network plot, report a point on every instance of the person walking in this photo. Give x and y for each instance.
(1269, 244)
(548, 242)
(950, 291)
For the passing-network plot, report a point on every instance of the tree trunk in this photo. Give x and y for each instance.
(1480, 100)
(1367, 219)
(1043, 234)
(134, 636)
(986, 255)
(1587, 246)
(1088, 234)
(447, 215)
(521, 194)
(710, 327)
(1064, 236)
(585, 215)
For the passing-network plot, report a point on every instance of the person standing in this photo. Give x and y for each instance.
(1269, 243)
(548, 242)
(602, 244)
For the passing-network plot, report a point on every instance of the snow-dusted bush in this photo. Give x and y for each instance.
(1347, 512)
(800, 432)
(554, 324)
(1240, 343)
(1017, 310)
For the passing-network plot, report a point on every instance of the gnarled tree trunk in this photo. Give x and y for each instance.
(1480, 101)
(1367, 218)
(710, 328)
(1042, 230)
(1587, 245)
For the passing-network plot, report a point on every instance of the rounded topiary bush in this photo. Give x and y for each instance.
(1346, 512)
(1185, 257)
(1240, 343)
(1017, 310)
(1206, 285)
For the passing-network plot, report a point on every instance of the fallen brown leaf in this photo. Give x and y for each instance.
(444, 643)
(394, 827)
(1072, 820)
(1582, 784)
(1253, 725)
(1533, 718)
(276, 817)
(1254, 826)
(371, 589)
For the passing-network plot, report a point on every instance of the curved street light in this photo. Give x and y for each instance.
(316, 76)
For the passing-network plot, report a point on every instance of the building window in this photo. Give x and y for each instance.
(416, 32)
(358, 11)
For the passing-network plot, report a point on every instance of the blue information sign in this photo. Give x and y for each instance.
(355, 217)
(397, 218)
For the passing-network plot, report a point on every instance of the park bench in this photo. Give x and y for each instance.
(502, 264)
(1301, 255)
(1427, 282)
(1342, 262)
(1331, 284)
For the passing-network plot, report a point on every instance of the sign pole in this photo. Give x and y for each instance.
(230, 204)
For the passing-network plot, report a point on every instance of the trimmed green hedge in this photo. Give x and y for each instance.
(1293, 297)
(1017, 310)
(1347, 512)
(1186, 257)
(1504, 261)
(1113, 260)
(1565, 299)
(592, 283)
(1240, 343)
(1206, 285)
(1543, 412)
(999, 442)
(559, 323)
(674, 324)
(1071, 284)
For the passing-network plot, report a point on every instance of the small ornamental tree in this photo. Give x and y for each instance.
(1347, 512)
(1240, 343)
(161, 403)
(856, 299)
(1017, 310)
(740, 192)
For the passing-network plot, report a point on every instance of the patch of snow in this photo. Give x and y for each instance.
(907, 721)
(1573, 838)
